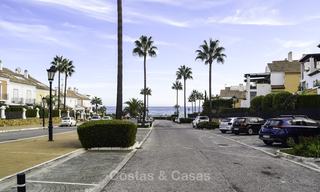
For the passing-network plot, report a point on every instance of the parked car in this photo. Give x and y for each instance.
(68, 121)
(95, 118)
(227, 124)
(283, 129)
(106, 118)
(249, 125)
(199, 119)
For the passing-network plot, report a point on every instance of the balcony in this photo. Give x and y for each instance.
(17, 100)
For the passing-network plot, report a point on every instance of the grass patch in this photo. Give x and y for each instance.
(307, 147)
(20, 155)
(208, 125)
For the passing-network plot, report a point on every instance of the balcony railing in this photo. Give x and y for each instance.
(17, 100)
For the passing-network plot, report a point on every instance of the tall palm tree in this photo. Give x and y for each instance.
(177, 86)
(147, 92)
(58, 62)
(200, 97)
(120, 64)
(68, 69)
(96, 101)
(134, 107)
(144, 47)
(194, 98)
(184, 73)
(208, 53)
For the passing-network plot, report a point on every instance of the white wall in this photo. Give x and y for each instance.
(277, 78)
(22, 91)
(263, 89)
(71, 102)
(309, 79)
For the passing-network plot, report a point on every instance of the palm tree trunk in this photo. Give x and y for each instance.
(195, 106)
(185, 107)
(65, 92)
(144, 86)
(120, 65)
(59, 90)
(96, 108)
(177, 103)
(210, 101)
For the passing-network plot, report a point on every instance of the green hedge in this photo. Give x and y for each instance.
(28, 121)
(185, 120)
(14, 109)
(208, 125)
(308, 101)
(267, 102)
(31, 113)
(106, 133)
(256, 103)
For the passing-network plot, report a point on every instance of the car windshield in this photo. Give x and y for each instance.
(66, 118)
(204, 118)
(274, 123)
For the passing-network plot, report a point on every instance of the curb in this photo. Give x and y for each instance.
(113, 173)
(115, 148)
(303, 161)
(69, 155)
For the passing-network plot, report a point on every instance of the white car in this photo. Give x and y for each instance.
(199, 119)
(227, 124)
(95, 118)
(106, 118)
(68, 121)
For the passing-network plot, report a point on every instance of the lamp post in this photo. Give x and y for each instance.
(51, 73)
(43, 111)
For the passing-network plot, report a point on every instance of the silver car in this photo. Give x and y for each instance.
(227, 124)
(68, 121)
(199, 119)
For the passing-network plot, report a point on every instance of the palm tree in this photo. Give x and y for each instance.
(144, 47)
(148, 93)
(134, 107)
(177, 86)
(58, 62)
(208, 53)
(120, 64)
(195, 97)
(68, 69)
(96, 101)
(191, 100)
(200, 97)
(184, 73)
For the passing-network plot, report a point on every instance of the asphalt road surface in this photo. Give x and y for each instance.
(32, 133)
(180, 158)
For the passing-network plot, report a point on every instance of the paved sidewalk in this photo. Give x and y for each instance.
(84, 172)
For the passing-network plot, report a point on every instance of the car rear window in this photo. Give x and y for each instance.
(204, 118)
(226, 120)
(240, 120)
(66, 118)
(274, 123)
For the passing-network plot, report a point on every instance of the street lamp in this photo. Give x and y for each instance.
(51, 73)
(43, 111)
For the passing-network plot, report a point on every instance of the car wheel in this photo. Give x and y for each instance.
(250, 131)
(223, 131)
(236, 132)
(268, 142)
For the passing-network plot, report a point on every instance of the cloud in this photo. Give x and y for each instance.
(98, 9)
(295, 43)
(252, 16)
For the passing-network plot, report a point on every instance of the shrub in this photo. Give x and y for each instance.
(185, 120)
(307, 147)
(267, 102)
(208, 125)
(28, 121)
(256, 103)
(55, 113)
(31, 113)
(114, 133)
(280, 100)
(308, 101)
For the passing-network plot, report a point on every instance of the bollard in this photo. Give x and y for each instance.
(21, 182)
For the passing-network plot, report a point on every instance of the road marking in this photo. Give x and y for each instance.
(61, 183)
(10, 141)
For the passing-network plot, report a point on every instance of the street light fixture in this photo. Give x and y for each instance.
(43, 111)
(51, 73)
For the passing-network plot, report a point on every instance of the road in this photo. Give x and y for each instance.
(179, 158)
(8, 136)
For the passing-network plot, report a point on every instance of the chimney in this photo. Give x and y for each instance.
(26, 74)
(18, 70)
(290, 56)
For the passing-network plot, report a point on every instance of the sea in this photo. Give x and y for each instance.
(157, 110)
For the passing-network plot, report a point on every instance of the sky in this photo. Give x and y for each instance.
(253, 32)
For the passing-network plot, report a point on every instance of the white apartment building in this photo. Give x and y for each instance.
(310, 73)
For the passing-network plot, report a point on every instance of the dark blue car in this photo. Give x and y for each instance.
(285, 128)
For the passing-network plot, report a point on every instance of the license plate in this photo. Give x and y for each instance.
(266, 136)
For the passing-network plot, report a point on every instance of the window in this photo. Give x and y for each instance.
(15, 93)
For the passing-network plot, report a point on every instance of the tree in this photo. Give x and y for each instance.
(120, 63)
(148, 93)
(208, 53)
(184, 73)
(195, 98)
(102, 110)
(58, 62)
(68, 69)
(177, 86)
(144, 47)
(191, 99)
(199, 97)
(134, 107)
(96, 101)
